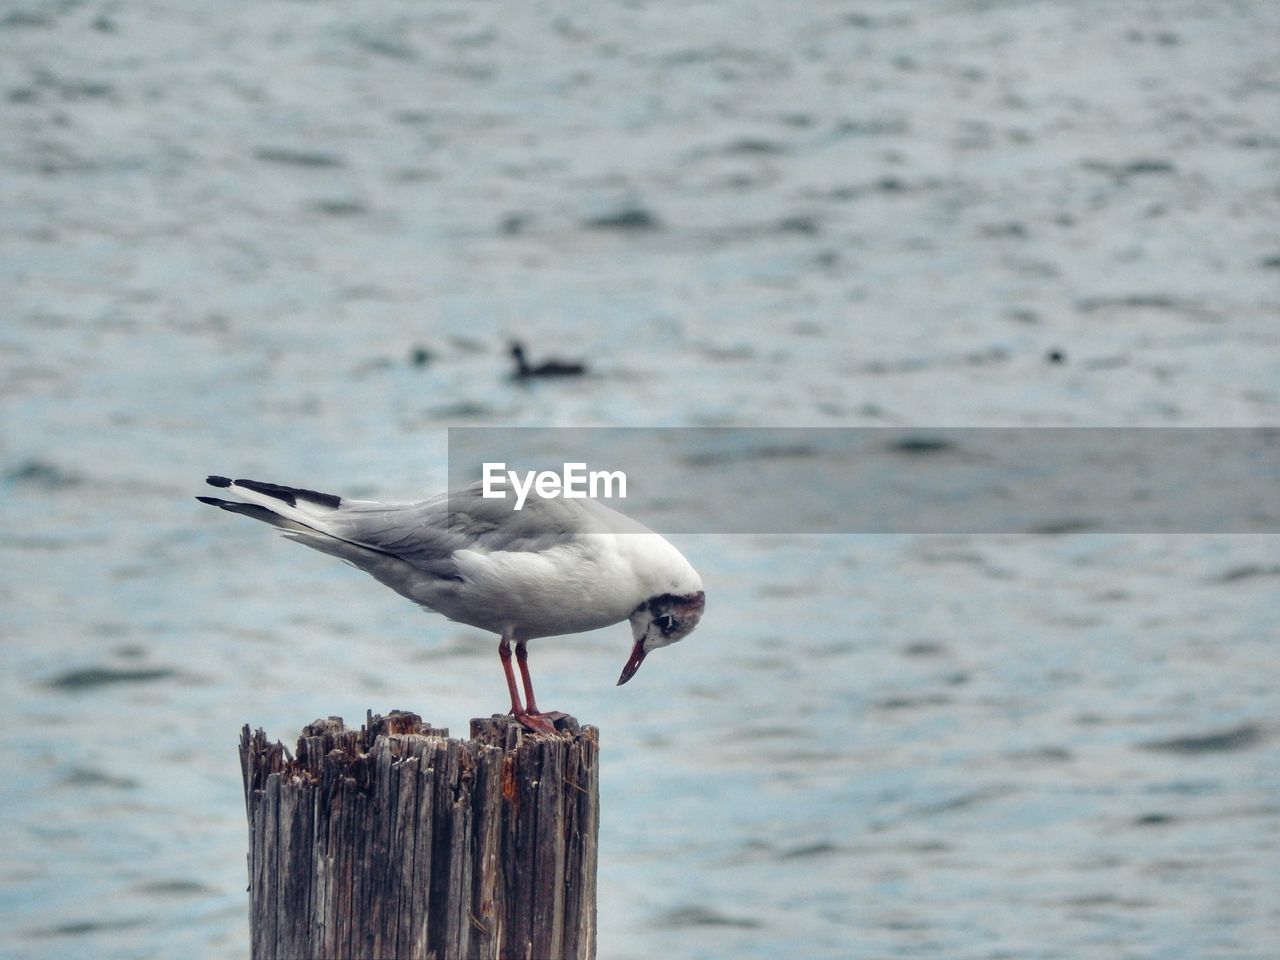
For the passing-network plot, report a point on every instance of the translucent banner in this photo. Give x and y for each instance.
(890, 480)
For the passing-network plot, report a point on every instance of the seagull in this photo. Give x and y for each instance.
(554, 567)
(548, 368)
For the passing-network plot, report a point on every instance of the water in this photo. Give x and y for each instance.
(227, 228)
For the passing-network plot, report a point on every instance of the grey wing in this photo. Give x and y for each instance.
(427, 534)
(390, 540)
(412, 532)
(491, 524)
(424, 535)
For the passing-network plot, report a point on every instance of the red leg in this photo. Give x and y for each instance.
(504, 651)
(530, 717)
(522, 658)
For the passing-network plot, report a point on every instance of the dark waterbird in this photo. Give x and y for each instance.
(548, 368)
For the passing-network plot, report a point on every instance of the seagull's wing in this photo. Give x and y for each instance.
(423, 534)
(491, 525)
(382, 538)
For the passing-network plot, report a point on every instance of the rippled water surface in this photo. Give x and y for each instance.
(228, 228)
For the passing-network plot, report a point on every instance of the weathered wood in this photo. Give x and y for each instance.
(394, 841)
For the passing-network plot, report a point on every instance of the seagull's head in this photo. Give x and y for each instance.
(659, 621)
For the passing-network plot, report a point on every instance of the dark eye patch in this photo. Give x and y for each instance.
(666, 623)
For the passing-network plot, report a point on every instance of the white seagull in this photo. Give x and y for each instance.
(556, 566)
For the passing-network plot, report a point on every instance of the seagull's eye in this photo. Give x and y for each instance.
(665, 623)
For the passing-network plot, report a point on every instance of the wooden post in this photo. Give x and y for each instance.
(396, 842)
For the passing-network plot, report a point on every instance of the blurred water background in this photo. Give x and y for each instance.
(230, 230)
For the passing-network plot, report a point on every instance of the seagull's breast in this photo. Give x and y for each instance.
(572, 587)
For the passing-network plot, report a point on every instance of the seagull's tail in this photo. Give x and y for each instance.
(291, 508)
(325, 522)
(258, 513)
(302, 515)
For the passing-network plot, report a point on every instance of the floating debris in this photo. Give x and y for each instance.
(631, 218)
(1237, 738)
(699, 916)
(89, 677)
(298, 158)
(921, 445)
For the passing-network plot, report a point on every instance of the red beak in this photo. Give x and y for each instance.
(633, 664)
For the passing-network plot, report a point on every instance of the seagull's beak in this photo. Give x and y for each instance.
(633, 663)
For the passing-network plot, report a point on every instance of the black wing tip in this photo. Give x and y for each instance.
(274, 490)
(289, 495)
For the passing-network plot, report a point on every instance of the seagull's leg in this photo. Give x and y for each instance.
(504, 652)
(530, 718)
(534, 718)
(522, 658)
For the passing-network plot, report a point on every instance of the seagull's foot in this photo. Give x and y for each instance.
(544, 723)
